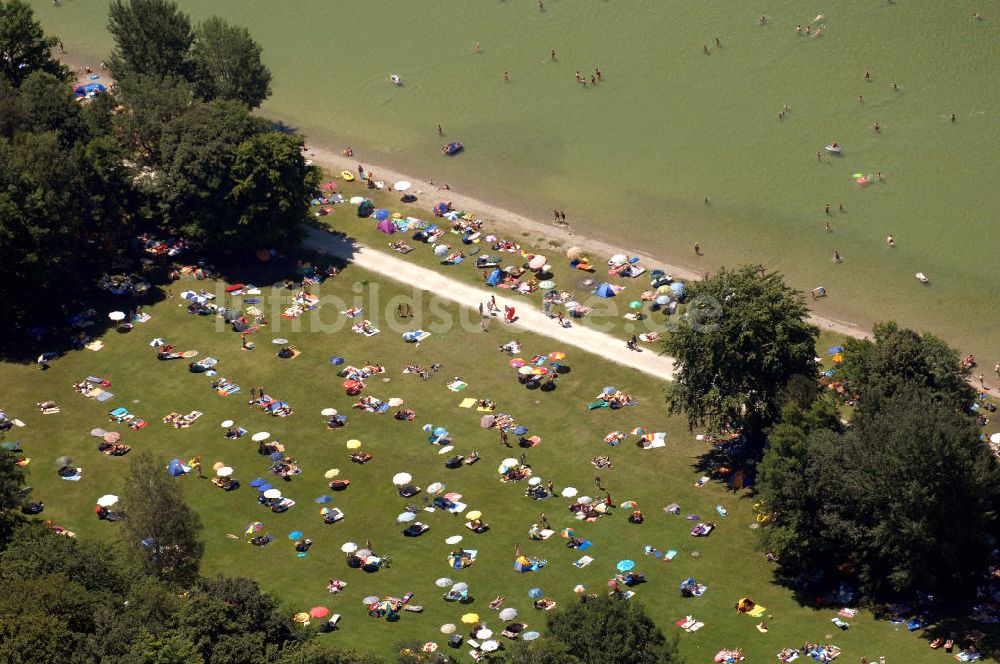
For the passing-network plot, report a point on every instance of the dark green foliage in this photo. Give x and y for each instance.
(745, 338)
(606, 630)
(161, 528)
(897, 357)
(151, 102)
(887, 504)
(232, 183)
(152, 37)
(11, 496)
(24, 48)
(82, 601)
(48, 105)
(227, 64)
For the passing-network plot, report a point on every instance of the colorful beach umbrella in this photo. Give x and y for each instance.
(557, 356)
(254, 527)
(567, 533)
(515, 363)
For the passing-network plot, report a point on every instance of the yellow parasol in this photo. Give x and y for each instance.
(353, 444)
(470, 618)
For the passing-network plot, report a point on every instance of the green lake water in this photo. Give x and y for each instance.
(632, 158)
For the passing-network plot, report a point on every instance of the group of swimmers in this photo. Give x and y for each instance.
(582, 79)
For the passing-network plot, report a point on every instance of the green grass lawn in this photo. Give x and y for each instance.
(728, 561)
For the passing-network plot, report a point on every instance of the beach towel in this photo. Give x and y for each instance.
(583, 562)
(757, 611)
(586, 544)
(546, 533)
(467, 403)
(669, 555)
(457, 385)
(684, 623)
(95, 345)
(597, 404)
(655, 440)
(104, 396)
(695, 627)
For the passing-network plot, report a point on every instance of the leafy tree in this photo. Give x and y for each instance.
(232, 621)
(316, 651)
(151, 102)
(170, 648)
(231, 182)
(152, 37)
(11, 113)
(11, 495)
(540, 651)
(29, 638)
(746, 337)
(898, 357)
(24, 48)
(786, 480)
(49, 106)
(272, 187)
(607, 630)
(908, 487)
(161, 527)
(227, 64)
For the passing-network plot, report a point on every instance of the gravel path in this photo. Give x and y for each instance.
(529, 318)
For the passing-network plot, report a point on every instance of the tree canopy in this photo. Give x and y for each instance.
(73, 600)
(152, 37)
(232, 182)
(897, 357)
(161, 527)
(883, 504)
(24, 47)
(603, 630)
(11, 496)
(745, 338)
(227, 64)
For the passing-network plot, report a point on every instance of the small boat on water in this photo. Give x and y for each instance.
(396, 80)
(921, 277)
(452, 148)
(833, 148)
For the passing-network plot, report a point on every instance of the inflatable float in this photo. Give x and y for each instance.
(452, 148)
(347, 175)
(833, 148)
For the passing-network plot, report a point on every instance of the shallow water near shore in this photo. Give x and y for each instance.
(632, 158)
